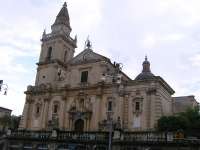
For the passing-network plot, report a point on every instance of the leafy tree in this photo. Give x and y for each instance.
(5, 122)
(188, 121)
(171, 123)
(15, 120)
(193, 120)
(9, 122)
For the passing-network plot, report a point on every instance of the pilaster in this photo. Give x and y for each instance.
(125, 112)
(23, 121)
(64, 124)
(29, 114)
(45, 113)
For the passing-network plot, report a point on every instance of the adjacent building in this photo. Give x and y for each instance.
(182, 103)
(4, 112)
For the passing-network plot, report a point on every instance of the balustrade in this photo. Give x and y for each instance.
(67, 139)
(159, 137)
(61, 135)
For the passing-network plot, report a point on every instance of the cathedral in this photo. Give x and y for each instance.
(87, 92)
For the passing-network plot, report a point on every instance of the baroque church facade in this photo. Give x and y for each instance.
(87, 91)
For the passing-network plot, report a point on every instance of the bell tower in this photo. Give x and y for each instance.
(57, 48)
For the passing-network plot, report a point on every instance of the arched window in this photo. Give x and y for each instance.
(49, 53)
(55, 108)
(38, 108)
(110, 106)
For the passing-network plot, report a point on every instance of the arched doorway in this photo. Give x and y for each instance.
(79, 125)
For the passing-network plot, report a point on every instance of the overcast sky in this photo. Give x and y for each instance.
(167, 31)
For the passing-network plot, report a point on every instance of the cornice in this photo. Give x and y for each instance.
(67, 39)
(156, 79)
(52, 61)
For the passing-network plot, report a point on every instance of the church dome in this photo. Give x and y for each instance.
(146, 71)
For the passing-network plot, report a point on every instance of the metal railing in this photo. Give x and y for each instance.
(59, 135)
(148, 136)
(84, 136)
(92, 136)
(93, 140)
(30, 134)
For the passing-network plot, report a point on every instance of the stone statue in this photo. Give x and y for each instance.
(88, 104)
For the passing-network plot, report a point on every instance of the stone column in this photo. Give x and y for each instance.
(120, 107)
(23, 121)
(29, 114)
(96, 112)
(63, 118)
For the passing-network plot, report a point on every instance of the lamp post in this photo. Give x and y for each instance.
(116, 79)
(110, 124)
(3, 87)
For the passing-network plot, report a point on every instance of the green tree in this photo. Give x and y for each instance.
(171, 123)
(193, 120)
(188, 121)
(5, 122)
(9, 122)
(15, 120)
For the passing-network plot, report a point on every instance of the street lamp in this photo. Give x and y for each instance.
(116, 79)
(3, 87)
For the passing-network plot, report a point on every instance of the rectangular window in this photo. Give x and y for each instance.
(137, 106)
(110, 106)
(84, 76)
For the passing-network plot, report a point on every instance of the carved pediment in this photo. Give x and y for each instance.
(81, 108)
(80, 115)
(88, 56)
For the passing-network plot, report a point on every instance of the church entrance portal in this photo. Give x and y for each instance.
(79, 125)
